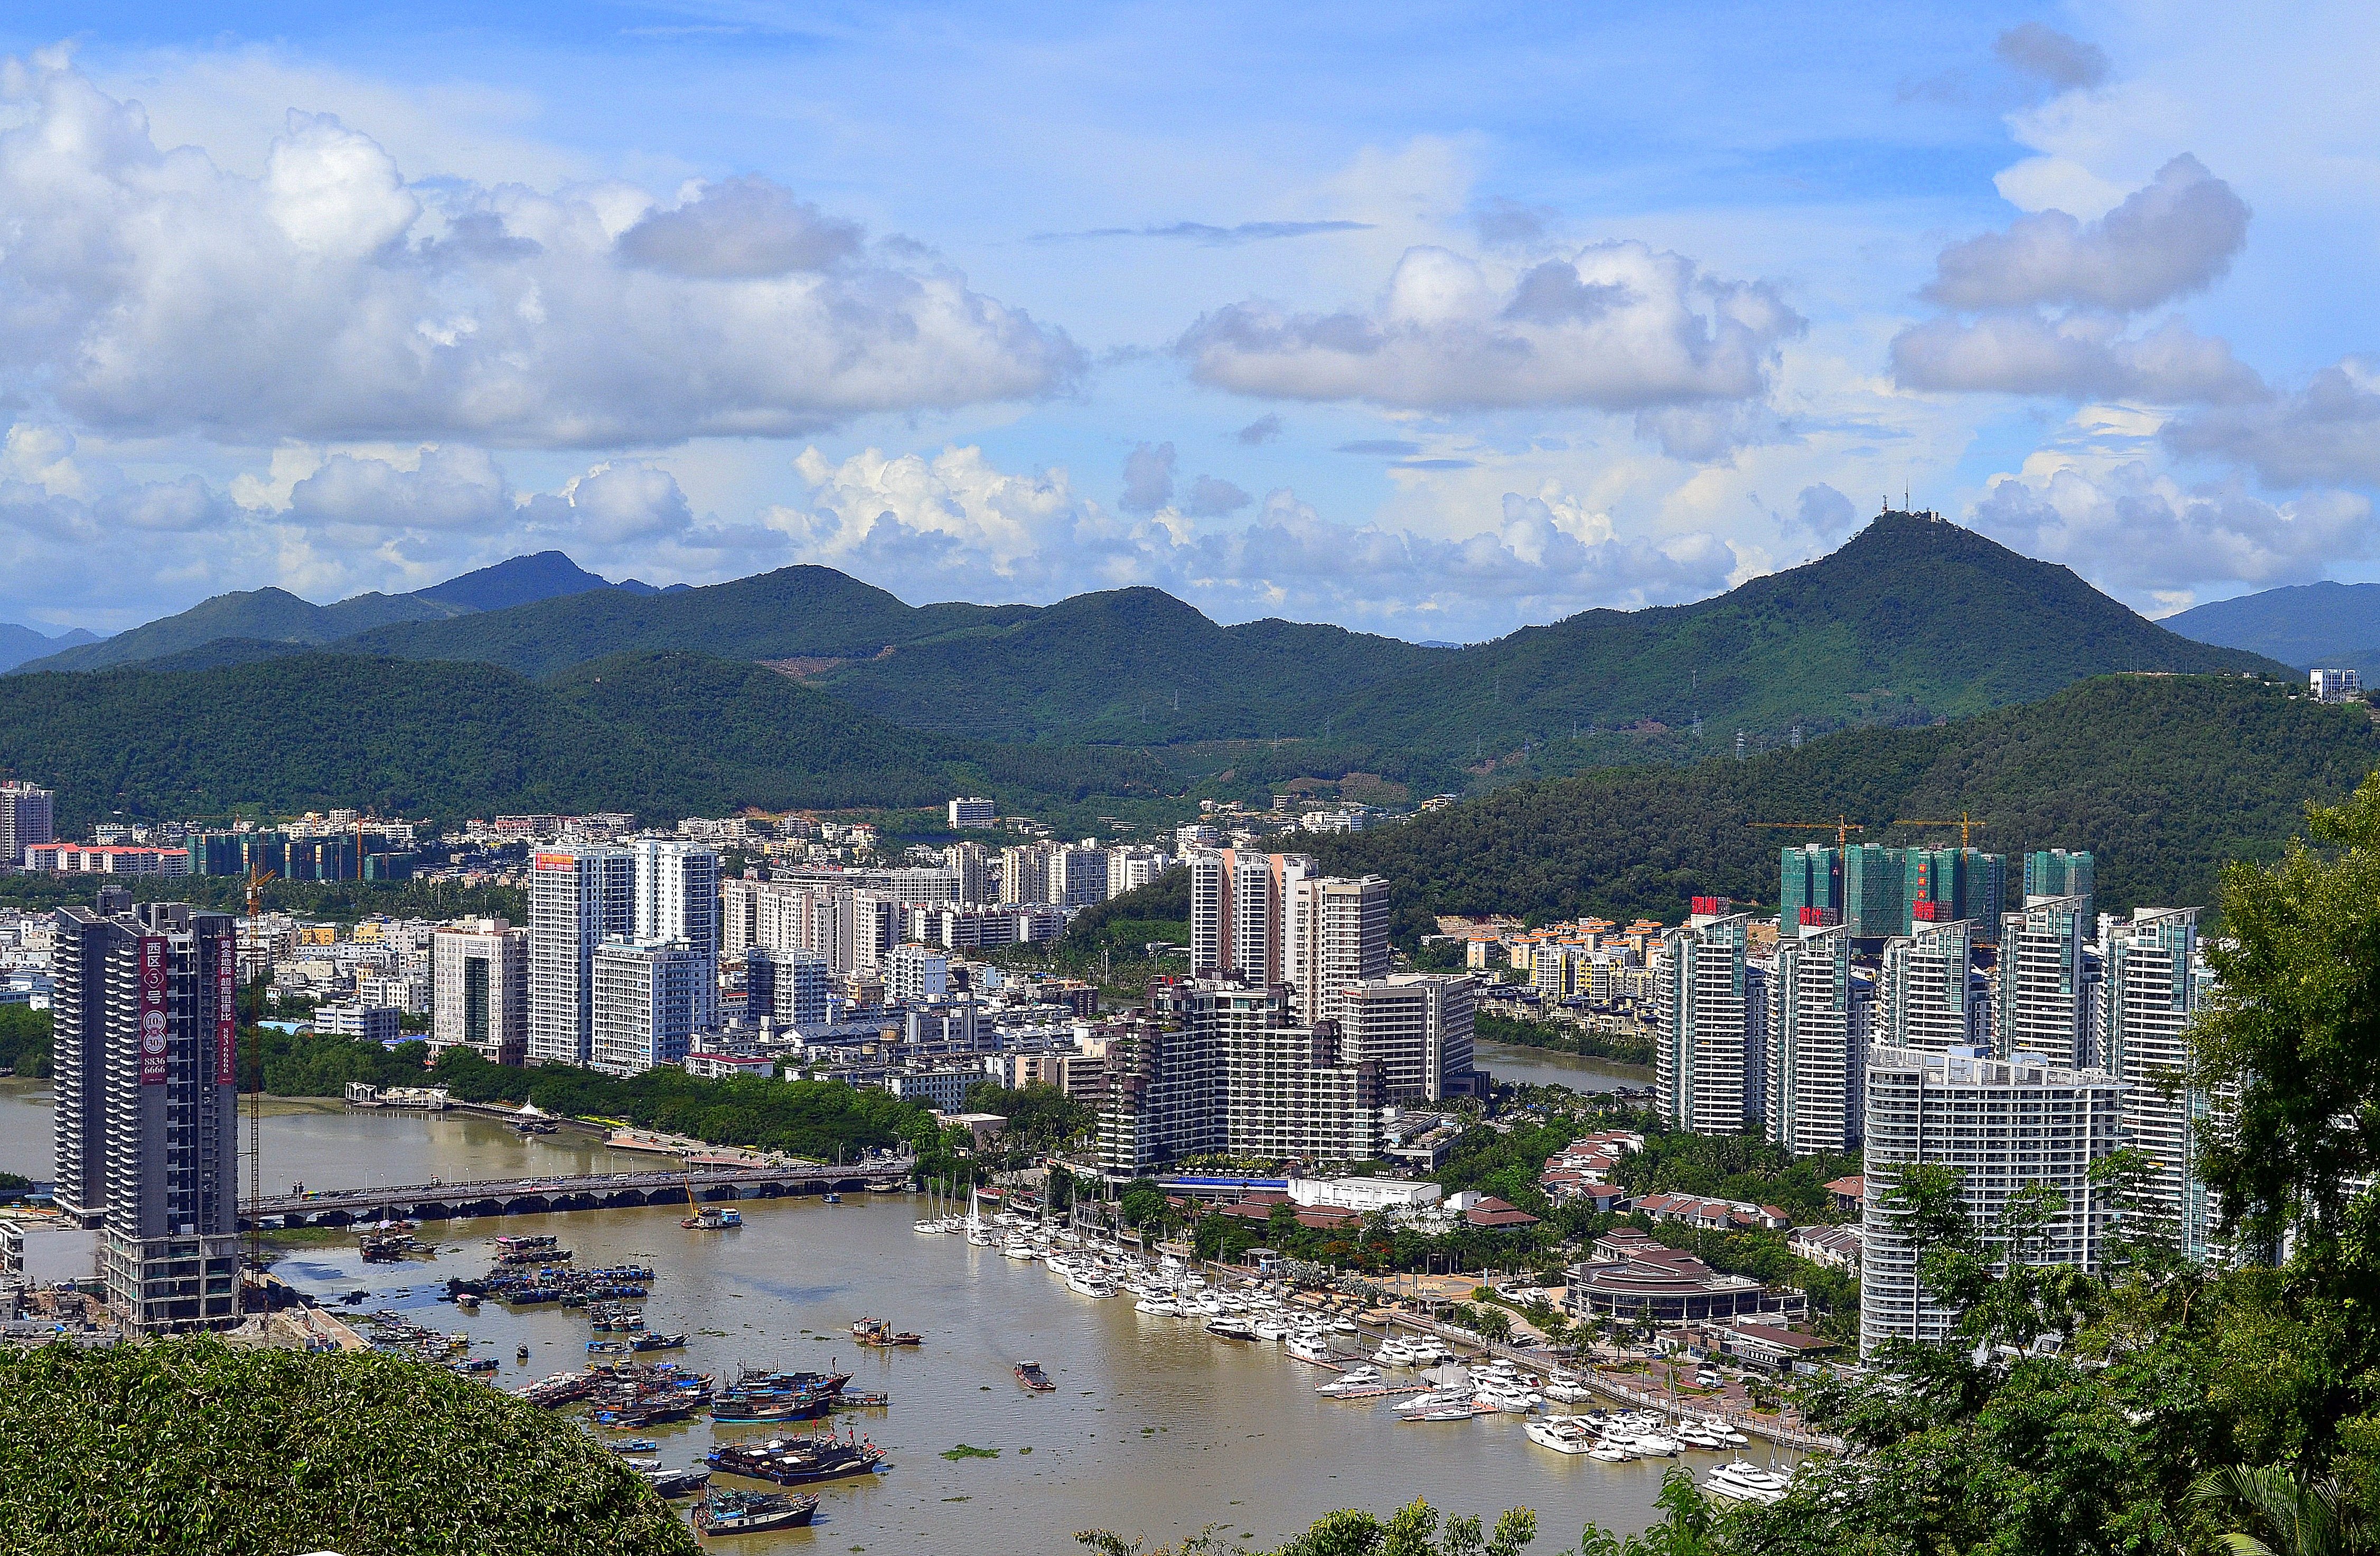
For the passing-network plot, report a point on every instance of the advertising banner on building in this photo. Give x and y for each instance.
(227, 1011)
(154, 971)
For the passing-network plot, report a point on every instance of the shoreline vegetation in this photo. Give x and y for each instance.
(1578, 1042)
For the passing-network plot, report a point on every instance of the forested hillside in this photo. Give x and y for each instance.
(661, 735)
(1912, 620)
(2163, 778)
(794, 613)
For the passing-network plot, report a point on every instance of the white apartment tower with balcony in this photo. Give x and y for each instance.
(1416, 1026)
(579, 896)
(1709, 1008)
(1820, 1009)
(1926, 996)
(2154, 977)
(2003, 1124)
(678, 899)
(2046, 996)
(1335, 934)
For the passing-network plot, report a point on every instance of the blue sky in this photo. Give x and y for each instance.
(1426, 320)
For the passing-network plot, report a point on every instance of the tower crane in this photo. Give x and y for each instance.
(1968, 826)
(1842, 826)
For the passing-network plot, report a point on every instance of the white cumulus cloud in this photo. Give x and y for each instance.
(2327, 431)
(1617, 326)
(2042, 308)
(2146, 536)
(956, 524)
(149, 291)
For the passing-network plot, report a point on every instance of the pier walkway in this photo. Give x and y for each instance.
(598, 1191)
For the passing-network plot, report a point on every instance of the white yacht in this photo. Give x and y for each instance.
(1268, 1326)
(1017, 1247)
(1085, 1280)
(1513, 1399)
(1651, 1443)
(1746, 1482)
(1610, 1453)
(1157, 1308)
(1563, 1434)
(1356, 1378)
(1310, 1345)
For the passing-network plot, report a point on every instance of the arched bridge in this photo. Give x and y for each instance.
(599, 1191)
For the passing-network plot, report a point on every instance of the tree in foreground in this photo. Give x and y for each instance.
(1411, 1530)
(174, 1446)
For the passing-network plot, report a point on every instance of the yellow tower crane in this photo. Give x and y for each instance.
(1968, 826)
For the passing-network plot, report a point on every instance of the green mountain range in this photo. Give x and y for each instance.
(2163, 778)
(20, 644)
(662, 734)
(258, 623)
(1913, 620)
(2333, 625)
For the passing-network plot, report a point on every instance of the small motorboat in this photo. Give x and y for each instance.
(635, 1445)
(1231, 1327)
(677, 1482)
(751, 1512)
(1032, 1377)
(832, 1197)
(521, 1355)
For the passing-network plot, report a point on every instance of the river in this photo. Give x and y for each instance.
(1546, 1066)
(1155, 1428)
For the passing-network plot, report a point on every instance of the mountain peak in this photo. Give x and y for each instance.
(516, 580)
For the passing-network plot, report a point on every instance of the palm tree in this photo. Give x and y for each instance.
(2302, 1518)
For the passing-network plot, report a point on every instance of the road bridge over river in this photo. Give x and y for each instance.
(598, 1191)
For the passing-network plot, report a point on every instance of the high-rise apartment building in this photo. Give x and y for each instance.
(579, 896)
(26, 821)
(971, 862)
(1224, 1065)
(1024, 873)
(1876, 884)
(1333, 934)
(1417, 1027)
(1820, 1009)
(2046, 994)
(1710, 1010)
(1953, 885)
(917, 973)
(2003, 1124)
(145, 1064)
(1131, 868)
(970, 811)
(1163, 1096)
(1238, 911)
(678, 899)
(1078, 876)
(2152, 978)
(791, 988)
(1286, 1092)
(1810, 887)
(2054, 872)
(478, 981)
(648, 1003)
(1927, 995)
